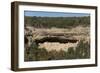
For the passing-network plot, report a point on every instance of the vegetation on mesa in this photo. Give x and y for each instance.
(58, 22)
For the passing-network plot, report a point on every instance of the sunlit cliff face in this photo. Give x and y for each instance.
(57, 46)
(78, 33)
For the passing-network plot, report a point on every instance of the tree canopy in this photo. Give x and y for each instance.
(58, 22)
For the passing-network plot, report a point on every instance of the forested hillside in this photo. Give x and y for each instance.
(58, 22)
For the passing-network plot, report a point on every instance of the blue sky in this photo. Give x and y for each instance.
(54, 14)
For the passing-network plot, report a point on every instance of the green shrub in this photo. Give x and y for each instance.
(70, 54)
(83, 50)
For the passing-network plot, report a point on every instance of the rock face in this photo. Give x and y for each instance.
(56, 43)
(57, 46)
(56, 38)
